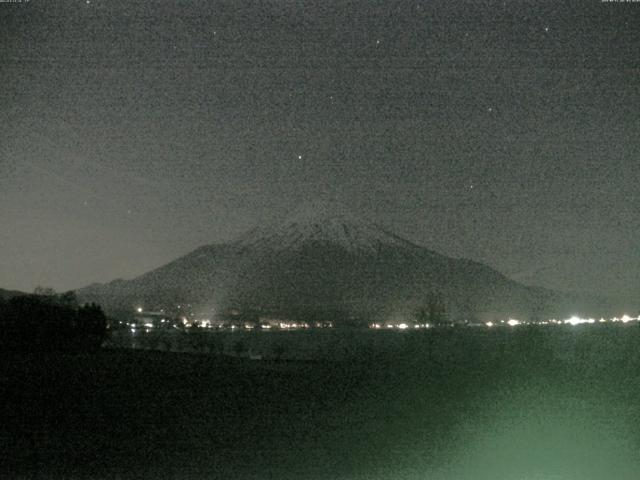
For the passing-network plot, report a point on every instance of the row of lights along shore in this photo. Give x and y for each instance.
(512, 322)
(291, 325)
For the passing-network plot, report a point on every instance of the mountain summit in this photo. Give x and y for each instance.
(322, 261)
(325, 223)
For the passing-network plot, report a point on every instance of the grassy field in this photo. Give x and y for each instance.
(503, 404)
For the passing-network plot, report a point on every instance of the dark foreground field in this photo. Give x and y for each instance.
(559, 403)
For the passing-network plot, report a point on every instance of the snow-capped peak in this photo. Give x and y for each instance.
(322, 221)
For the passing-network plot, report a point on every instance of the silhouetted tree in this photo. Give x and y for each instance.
(433, 312)
(68, 299)
(50, 322)
(92, 324)
(44, 291)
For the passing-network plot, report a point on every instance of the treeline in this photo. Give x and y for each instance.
(47, 321)
(433, 311)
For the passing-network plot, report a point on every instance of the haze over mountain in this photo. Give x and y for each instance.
(324, 262)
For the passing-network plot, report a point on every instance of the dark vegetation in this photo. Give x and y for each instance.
(433, 311)
(46, 321)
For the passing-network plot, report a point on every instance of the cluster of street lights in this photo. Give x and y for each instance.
(511, 322)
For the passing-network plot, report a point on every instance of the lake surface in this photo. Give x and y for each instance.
(464, 404)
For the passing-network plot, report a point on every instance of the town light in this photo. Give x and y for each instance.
(575, 320)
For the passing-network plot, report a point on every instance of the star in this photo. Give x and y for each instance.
(299, 157)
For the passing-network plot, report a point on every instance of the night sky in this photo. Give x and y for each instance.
(135, 131)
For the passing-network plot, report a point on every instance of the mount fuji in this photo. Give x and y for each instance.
(322, 261)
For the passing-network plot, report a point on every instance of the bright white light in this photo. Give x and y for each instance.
(513, 322)
(626, 318)
(148, 325)
(489, 324)
(573, 320)
(139, 309)
(403, 326)
(266, 327)
(602, 320)
(577, 320)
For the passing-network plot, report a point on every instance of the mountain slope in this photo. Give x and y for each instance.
(322, 261)
(7, 294)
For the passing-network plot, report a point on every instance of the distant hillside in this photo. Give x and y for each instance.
(7, 294)
(323, 261)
